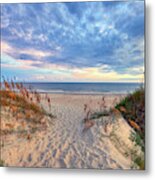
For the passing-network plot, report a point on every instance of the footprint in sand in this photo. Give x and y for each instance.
(87, 137)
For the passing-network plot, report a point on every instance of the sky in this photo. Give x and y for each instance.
(73, 42)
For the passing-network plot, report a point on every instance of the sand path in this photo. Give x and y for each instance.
(64, 145)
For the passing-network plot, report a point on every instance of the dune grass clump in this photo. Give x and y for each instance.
(22, 107)
(104, 116)
(132, 108)
(1, 163)
(16, 101)
(138, 159)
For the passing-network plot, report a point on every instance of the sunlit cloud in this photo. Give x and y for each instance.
(96, 75)
(38, 54)
(90, 41)
(5, 47)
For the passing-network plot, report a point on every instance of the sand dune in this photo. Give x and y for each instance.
(65, 145)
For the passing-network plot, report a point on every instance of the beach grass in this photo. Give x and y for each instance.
(23, 107)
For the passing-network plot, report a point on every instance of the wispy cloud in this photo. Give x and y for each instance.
(92, 38)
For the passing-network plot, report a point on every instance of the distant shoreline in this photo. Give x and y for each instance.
(84, 93)
(84, 88)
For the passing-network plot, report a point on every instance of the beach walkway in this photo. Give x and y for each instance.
(64, 144)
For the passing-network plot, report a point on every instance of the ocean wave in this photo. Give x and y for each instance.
(81, 92)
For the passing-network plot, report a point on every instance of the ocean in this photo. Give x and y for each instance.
(84, 88)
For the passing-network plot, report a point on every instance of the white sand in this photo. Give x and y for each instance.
(64, 145)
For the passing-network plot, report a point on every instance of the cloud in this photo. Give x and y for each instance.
(37, 53)
(79, 35)
(25, 53)
(108, 76)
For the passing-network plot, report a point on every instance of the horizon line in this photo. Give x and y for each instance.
(75, 82)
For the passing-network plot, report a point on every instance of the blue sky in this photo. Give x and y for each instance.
(73, 42)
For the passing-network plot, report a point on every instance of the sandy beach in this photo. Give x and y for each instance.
(64, 144)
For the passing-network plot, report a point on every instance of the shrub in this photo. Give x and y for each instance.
(132, 108)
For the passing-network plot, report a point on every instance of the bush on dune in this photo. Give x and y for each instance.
(132, 108)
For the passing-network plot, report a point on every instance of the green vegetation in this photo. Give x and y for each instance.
(132, 108)
(135, 137)
(97, 115)
(140, 162)
(138, 159)
(1, 163)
